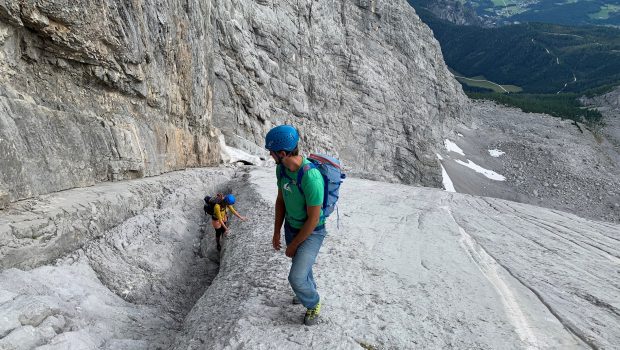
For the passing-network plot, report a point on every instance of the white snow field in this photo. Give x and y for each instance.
(490, 174)
(419, 268)
(453, 147)
(446, 181)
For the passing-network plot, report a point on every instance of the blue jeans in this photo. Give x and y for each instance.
(300, 277)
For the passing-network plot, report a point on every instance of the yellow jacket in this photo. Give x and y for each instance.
(220, 211)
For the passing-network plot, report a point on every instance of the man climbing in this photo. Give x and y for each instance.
(301, 214)
(219, 218)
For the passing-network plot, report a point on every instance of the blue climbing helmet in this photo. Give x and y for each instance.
(282, 138)
(229, 199)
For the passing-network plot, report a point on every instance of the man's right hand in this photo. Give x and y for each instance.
(275, 241)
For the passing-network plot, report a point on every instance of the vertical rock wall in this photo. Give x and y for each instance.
(100, 91)
(112, 90)
(364, 79)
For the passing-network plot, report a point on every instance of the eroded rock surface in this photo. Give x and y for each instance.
(121, 271)
(444, 270)
(102, 91)
(94, 92)
(364, 79)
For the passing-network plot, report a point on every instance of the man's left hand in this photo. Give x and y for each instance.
(290, 250)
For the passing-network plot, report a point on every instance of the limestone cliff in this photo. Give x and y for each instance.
(112, 90)
(99, 91)
(364, 79)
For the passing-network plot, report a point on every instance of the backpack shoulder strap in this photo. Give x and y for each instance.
(300, 174)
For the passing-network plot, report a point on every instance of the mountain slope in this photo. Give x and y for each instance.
(439, 270)
(540, 58)
(505, 12)
(93, 92)
(362, 79)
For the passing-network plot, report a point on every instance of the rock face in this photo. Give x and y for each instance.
(450, 268)
(100, 91)
(110, 91)
(363, 79)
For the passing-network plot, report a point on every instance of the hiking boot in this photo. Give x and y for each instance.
(296, 300)
(312, 315)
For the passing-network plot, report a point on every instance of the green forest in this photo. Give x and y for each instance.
(538, 57)
(565, 106)
(568, 12)
(550, 64)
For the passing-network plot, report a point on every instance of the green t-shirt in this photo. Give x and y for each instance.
(295, 202)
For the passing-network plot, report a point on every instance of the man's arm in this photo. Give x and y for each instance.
(314, 214)
(277, 226)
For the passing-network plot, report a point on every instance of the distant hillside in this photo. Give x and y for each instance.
(567, 12)
(457, 12)
(540, 58)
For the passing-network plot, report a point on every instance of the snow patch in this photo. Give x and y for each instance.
(445, 179)
(452, 147)
(496, 153)
(234, 155)
(447, 182)
(477, 168)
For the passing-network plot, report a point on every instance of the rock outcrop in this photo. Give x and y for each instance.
(451, 267)
(100, 91)
(610, 100)
(363, 79)
(110, 91)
